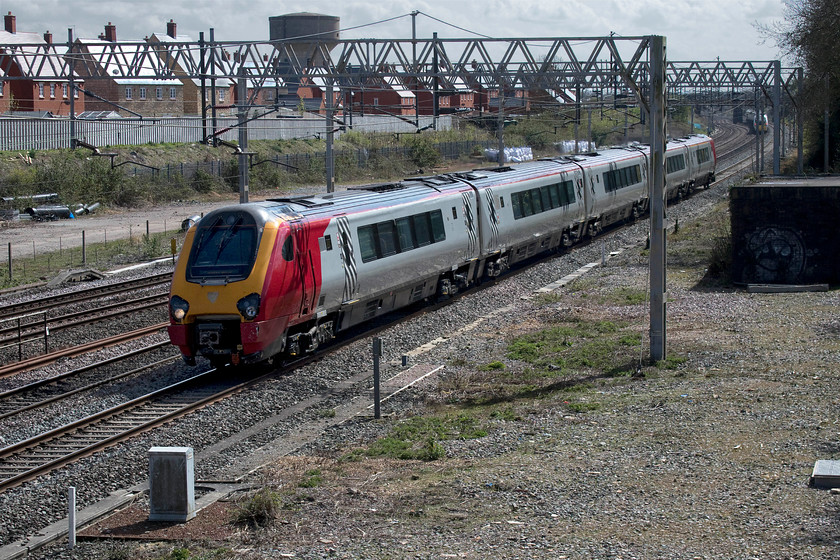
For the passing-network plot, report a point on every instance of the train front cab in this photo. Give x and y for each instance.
(225, 289)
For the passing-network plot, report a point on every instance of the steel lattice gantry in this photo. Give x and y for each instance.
(566, 66)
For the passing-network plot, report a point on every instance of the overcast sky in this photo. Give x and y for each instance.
(695, 29)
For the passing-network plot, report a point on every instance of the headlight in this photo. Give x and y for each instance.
(178, 308)
(249, 306)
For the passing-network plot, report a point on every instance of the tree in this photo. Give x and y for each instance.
(809, 34)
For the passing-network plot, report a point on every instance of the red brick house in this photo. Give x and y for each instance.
(144, 95)
(385, 96)
(37, 96)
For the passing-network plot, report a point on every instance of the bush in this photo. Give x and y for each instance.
(203, 182)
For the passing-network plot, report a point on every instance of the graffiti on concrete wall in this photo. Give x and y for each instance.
(776, 255)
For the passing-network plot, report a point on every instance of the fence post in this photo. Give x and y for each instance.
(10, 263)
(84, 249)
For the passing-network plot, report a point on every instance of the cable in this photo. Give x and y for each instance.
(455, 26)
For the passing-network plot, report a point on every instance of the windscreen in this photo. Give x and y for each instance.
(224, 249)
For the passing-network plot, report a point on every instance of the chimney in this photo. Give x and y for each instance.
(171, 29)
(48, 38)
(111, 32)
(9, 20)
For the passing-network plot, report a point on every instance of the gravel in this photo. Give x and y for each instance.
(707, 460)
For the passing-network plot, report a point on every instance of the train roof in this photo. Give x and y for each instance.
(413, 189)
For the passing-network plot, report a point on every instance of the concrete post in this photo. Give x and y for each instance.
(657, 199)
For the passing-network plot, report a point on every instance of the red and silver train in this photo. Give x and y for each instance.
(283, 276)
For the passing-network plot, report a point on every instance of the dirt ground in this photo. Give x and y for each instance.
(27, 236)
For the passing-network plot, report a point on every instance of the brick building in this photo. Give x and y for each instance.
(145, 95)
(27, 95)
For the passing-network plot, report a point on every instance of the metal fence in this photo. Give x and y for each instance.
(24, 134)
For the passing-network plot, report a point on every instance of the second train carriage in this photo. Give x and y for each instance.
(284, 275)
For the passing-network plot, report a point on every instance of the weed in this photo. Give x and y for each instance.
(259, 510)
(493, 366)
(581, 407)
(630, 296)
(507, 414)
(179, 554)
(313, 479)
(671, 362)
(118, 551)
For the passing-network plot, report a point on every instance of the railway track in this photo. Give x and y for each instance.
(86, 294)
(52, 389)
(28, 459)
(33, 457)
(44, 359)
(32, 326)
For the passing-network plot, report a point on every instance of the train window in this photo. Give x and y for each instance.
(454, 213)
(437, 225)
(674, 164)
(501, 202)
(704, 155)
(367, 243)
(527, 207)
(422, 229)
(517, 205)
(554, 194)
(620, 178)
(405, 234)
(570, 192)
(287, 251)
(225, 247)
(546, 198)
(387, 235)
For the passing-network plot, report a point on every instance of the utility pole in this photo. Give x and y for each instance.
(71, 86)
(213, 97)
(203, 62)
(501, 123)
(435, 83)
(414, 69)
(657, 200)
(777, 115)
(242, 93)
(329, 155)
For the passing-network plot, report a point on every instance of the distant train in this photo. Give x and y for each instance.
(283, 276)
(756, 123)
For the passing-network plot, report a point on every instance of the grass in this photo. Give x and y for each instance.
(28, 270)
(417, 438)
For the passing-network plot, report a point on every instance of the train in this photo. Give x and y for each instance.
(283, 276)
(756, 122)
